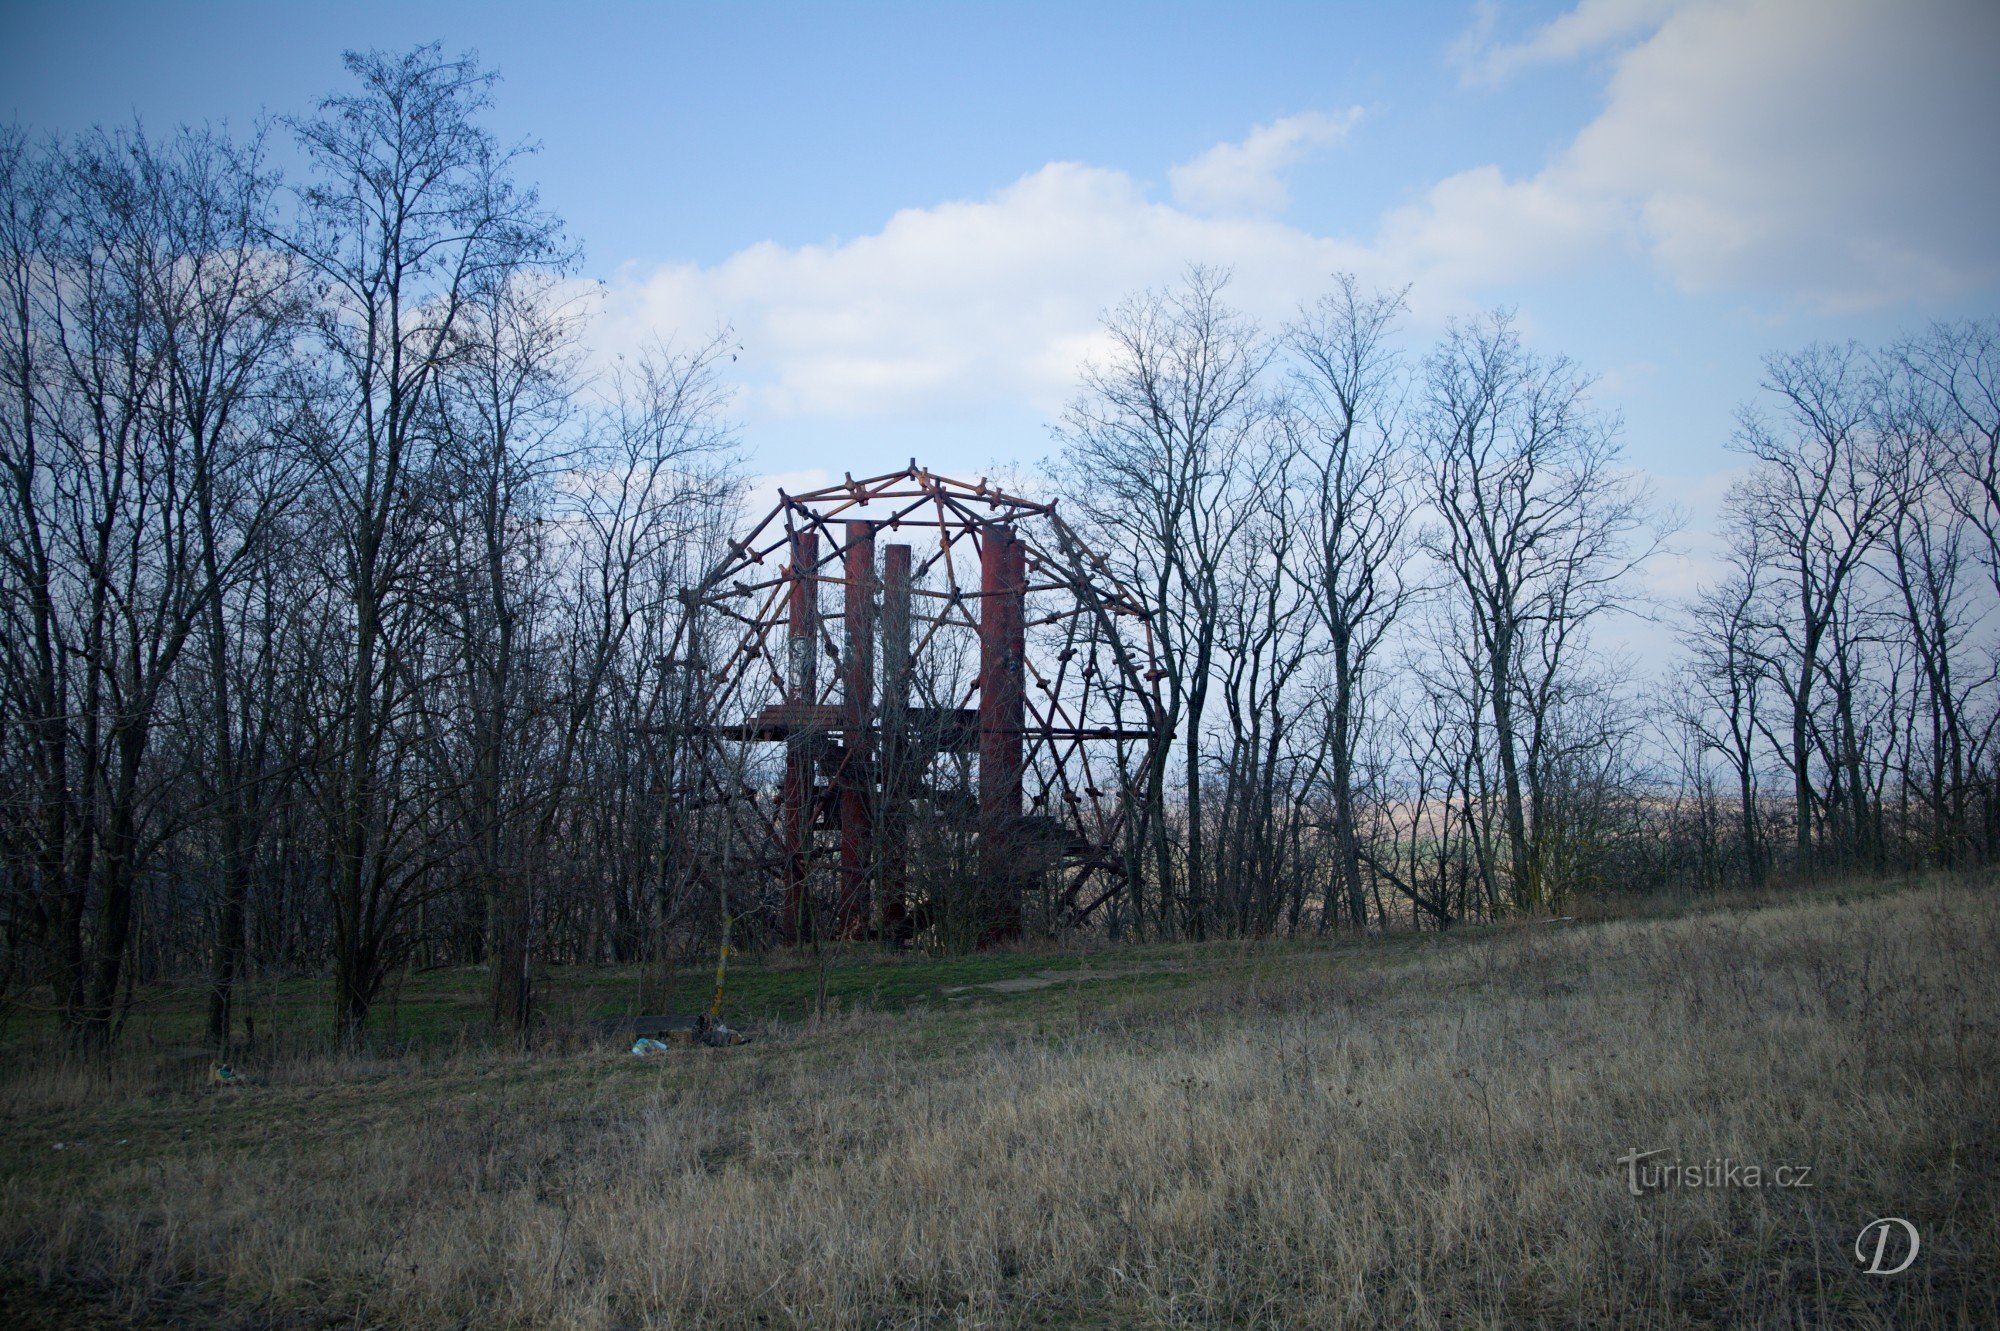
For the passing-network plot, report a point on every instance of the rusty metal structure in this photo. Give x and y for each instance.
(911, 662)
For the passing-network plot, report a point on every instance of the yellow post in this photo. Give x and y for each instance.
(721, 967)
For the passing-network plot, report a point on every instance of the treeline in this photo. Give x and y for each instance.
(340, 599)
(333, 591)
(1382, 583)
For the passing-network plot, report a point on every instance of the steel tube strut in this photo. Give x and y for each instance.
(802, 688)
(1003, 581)
(856, 773)
(892, 832)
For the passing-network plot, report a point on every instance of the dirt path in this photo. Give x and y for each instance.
(1021, 984)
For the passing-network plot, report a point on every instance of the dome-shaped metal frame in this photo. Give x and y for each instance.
(986, 674)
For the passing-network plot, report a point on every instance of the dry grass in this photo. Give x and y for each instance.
(1413, 1134)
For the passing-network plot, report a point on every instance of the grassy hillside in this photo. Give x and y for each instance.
(1422, 1131)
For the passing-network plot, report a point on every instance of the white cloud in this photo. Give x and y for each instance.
(1249, 176)
(970, 304)
(1477, 230)
(760, 496)
(1832, 152)
(1591, 26)
(967, 303)
(1817, 153)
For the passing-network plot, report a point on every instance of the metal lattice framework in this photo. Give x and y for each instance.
(987, 674)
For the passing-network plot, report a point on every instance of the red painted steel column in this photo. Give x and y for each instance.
(857, 776)
(802, 692)
(1003, 583)
(892, 833)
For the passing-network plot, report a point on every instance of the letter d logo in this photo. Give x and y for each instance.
(1874, 1263)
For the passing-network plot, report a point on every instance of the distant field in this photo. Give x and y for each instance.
(1419, 1131)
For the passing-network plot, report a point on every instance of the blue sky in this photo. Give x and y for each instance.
(912, 215)
(686, 131)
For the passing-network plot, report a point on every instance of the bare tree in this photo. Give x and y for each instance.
(645, 509)
(503, 408)
(144, 324)
(1815, 502)
(1360, 496)
(230, 309)
(1943, 418)
(1727, 637)
(1958, 367)
(1538, 529)
(1156, 451)
(413, 213)
(1267, 763)
(1924, 550)
(42, 836)
(316, 509)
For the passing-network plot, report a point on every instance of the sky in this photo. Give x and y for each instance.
(912, 217)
